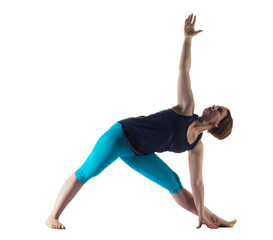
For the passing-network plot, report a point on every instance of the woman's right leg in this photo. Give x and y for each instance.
(185, 199)
(106, 151)
(155, 169)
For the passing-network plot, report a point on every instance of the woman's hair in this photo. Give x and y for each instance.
(224, 129)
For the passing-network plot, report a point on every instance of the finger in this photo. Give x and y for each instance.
(199, 226)
(208, 225)
(198, 31)
(211, 225)
(214, 226)
(191, 18)
(194, 20)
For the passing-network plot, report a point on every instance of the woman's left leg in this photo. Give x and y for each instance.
(106, 151)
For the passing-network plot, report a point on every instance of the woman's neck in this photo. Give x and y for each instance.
(199, 125)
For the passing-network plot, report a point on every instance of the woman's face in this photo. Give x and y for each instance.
(214, 114)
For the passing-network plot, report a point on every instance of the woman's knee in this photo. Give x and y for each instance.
(83, 175)
(176, 184)
(105, 151)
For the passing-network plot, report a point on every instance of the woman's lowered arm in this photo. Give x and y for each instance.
(195, 166)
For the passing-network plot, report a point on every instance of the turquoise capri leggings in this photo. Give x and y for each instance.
(112, 145)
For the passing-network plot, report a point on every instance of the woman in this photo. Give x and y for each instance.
(135, 141)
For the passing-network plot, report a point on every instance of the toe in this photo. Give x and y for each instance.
(230, 224)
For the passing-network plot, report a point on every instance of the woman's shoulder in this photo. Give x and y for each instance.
(182, 110)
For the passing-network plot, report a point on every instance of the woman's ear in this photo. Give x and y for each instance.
(216, 125)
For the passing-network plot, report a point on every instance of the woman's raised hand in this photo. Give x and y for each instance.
(189, 27)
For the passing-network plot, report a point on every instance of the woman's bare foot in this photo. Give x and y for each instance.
(219, 221)
(222, 223)
(54, 223)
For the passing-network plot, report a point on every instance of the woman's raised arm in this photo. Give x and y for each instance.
(184, 93)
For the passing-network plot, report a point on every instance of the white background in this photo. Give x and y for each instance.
(71, 69)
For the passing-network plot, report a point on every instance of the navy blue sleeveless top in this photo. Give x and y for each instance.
(159, 132)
